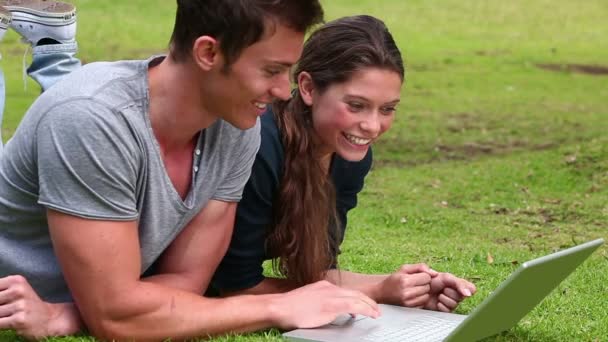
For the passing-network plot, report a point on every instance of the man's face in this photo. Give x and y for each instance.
(259, 76)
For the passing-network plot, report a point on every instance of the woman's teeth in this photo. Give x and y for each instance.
(356, 140)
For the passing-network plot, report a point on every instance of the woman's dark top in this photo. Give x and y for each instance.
(241, 268)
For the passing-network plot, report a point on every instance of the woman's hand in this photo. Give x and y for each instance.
(447, 291)
(409, 286)
(23, 311)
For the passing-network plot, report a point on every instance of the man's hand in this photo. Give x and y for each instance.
(320, 303)
(22, 310)
(447, 291)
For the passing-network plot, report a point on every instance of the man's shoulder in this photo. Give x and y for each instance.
(228, 134)
(87, 100)
(109, 82)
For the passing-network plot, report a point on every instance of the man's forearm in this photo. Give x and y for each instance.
(67, 319)
(155, 312)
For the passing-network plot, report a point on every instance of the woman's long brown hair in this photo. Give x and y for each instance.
(305, 234)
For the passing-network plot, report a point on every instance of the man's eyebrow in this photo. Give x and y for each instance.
(281, 63)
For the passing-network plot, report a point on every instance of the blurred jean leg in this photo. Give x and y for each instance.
(2, 96)
(52, 62)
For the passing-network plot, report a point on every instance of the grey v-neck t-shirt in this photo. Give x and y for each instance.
(86, 148)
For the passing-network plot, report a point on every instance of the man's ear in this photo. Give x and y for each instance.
(306, 87)
(206, 52)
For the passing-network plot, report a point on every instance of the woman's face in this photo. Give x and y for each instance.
(348, 117)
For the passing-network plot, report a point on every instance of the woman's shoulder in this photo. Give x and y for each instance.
(271, 146)
(269, 128)
(348, 174)
(358, 167)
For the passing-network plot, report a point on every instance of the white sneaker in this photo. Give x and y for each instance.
(38, 19)
(5, 21)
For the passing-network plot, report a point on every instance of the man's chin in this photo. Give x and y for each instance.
(242, 124)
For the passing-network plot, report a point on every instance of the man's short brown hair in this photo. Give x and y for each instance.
(237, 24)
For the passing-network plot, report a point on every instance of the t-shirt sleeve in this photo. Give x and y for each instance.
(87, 162)
(244, 150)
(241, 267)
(349, 178)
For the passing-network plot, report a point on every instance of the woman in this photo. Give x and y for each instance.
(314, 156)
(311, 165)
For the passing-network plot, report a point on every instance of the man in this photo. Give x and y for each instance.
(126, 164)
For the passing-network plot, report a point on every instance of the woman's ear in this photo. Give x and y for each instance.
(205, 52)
(306, 87)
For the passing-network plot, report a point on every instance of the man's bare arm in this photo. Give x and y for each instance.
(103, 276)
(101, 263)
(185, 265)
(191, 259)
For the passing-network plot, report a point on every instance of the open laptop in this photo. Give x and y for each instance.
(500, 311)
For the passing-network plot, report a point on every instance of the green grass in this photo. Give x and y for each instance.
(489, 155)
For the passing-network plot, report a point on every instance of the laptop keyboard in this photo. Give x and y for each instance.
(424, 329)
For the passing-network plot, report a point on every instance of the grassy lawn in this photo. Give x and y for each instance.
(499, 153)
